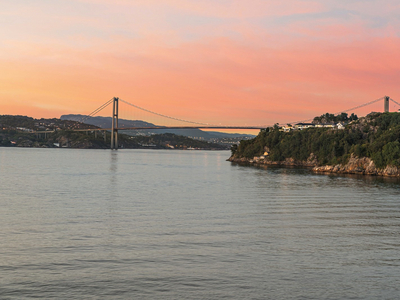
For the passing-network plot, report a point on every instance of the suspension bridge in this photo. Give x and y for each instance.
(116, 127)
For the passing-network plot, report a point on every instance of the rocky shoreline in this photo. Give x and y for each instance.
(355, 165)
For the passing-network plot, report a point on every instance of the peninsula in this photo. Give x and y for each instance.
(369, 145)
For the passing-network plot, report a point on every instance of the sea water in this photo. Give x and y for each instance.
(171, 224)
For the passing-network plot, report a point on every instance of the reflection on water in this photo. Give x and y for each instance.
(113, 161)
(187, 224)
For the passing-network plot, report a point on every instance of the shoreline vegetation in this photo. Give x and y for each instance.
(366, 146)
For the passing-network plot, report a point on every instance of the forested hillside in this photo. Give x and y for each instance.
(376, 136)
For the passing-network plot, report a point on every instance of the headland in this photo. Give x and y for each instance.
(369, 145)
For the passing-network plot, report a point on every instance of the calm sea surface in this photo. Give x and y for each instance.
(137, 224)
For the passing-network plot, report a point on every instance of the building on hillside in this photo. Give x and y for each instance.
(24, 129)
(326, 125)
(301, 126)
(340, 126)
(286, 128)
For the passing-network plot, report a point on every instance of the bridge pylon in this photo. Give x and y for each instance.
(386, 103)
(114, 125)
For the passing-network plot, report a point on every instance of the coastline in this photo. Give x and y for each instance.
(355, 165)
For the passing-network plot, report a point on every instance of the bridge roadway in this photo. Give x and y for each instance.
(175, 127)
(155, 128)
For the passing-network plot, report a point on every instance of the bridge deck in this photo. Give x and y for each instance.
(176, 127)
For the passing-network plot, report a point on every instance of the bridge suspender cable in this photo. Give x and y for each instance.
(114, 130)
(99, 109)
(93, 113)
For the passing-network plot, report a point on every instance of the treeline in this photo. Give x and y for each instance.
(90, 140)
(11, 122)
(331, 118)
(64, 138)
(16, 121)
(376, 136)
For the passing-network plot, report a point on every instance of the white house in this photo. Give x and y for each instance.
(302, 126)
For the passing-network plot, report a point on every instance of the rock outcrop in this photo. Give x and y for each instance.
(362, 166)
(355, 165)
(265, 160)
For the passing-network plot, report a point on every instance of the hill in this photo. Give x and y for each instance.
(22, 131)
(369, 145)
(105, 122)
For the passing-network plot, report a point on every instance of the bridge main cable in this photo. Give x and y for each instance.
(395, 102)
(347, 110)
(97, 110)
(359, 106)
(164, 116)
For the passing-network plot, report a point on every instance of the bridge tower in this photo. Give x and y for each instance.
(114, 125)
(386, 103)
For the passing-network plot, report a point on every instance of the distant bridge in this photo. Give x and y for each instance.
(115, 128)
(175, 127)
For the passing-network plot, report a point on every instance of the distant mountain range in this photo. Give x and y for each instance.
(105, 122)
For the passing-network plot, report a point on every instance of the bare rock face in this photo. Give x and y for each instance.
(362, 166)
(265, 160)
(312, 160)
(239, 160)
(391, 171)
(355, 165)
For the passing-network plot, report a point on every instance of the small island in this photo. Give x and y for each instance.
(330, 144)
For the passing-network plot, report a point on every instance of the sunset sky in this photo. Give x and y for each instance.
(213, 61)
